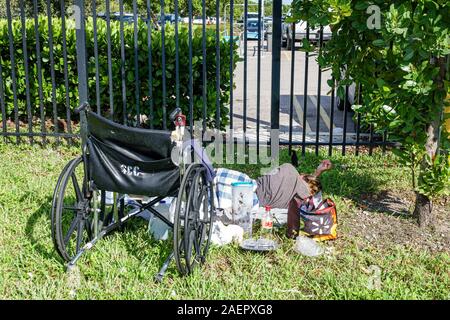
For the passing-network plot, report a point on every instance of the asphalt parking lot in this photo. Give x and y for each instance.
(312, 107)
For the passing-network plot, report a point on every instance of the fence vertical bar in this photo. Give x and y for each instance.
(258, 76)
(177, 57)
(39, 71)
(371, 140)
(81, 54)
(122, 64)
(136, 63)
(13, 69)
(218, 64)
(66, 69)
(319, 91)
(305, 95)
(245, 70)
(150, 62)
(27, 75)
(110, 76)
(52, 70)
(191, 84)
(2, 100)
(344, 133)
(358, 122)
(333, 98)
(385, 136)
(291, 96)
(97, 75)
(204, 81)
(163, 57)
(231, 61)
(276, 70)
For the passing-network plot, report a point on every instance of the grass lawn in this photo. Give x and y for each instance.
(376, 237)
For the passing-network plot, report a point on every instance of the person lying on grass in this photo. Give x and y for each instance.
(276, 189)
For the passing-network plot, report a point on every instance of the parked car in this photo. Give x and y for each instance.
(252, 15)
(213, 20)
(116, 16)
(168, 18)
(288, 38)
(326, 35)
(197, 20)
(268, 20)
(254, 28)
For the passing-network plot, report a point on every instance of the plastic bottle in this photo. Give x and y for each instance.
(267, 223)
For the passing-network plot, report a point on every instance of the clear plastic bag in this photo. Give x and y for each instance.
(308, 247)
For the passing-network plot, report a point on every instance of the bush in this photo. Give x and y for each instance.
(143, 69)
(402, 68)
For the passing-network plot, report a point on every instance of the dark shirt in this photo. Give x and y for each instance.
(278, 188)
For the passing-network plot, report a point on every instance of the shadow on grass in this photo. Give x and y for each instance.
(360, 179)
(146, 248)
(139, 246)
(37, 243)
(388, 203)
(363, 182)
(344, 180)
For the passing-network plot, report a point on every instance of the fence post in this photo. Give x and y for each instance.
(276, 65)
(81, 51)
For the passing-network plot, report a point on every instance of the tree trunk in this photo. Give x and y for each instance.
(423, 211)
(423, 206)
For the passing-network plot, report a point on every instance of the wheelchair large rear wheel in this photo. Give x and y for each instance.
(71, 211)
(193, 219)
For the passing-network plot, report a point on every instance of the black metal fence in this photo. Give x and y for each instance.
(223, 63)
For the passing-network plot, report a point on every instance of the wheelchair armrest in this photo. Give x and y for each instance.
(82, 107)
(174, 113)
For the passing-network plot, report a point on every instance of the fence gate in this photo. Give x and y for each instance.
(235, 67)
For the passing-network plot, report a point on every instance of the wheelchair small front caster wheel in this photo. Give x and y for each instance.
(158, 278)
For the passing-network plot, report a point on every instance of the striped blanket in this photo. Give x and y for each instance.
(223, 180)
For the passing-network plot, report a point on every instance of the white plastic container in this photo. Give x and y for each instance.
(157, 228)
(109, 198)
(242, 203)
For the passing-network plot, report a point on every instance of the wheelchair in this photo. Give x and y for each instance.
(135, 163)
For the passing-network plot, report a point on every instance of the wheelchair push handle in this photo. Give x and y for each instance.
(82, 107)
(178, 118)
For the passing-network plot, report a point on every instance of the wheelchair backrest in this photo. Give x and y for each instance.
(130, 160)
(156, 144)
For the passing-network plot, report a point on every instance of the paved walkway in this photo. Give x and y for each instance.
(311, 108)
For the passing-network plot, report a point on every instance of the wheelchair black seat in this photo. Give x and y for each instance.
(130, 160)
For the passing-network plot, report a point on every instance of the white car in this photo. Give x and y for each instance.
(300, 33)
(199, 20)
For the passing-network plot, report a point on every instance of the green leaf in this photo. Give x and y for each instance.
(379, 43)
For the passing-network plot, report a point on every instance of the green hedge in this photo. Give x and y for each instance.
(116, 69)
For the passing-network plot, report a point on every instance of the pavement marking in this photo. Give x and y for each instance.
(323, 112)
(299, 111)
